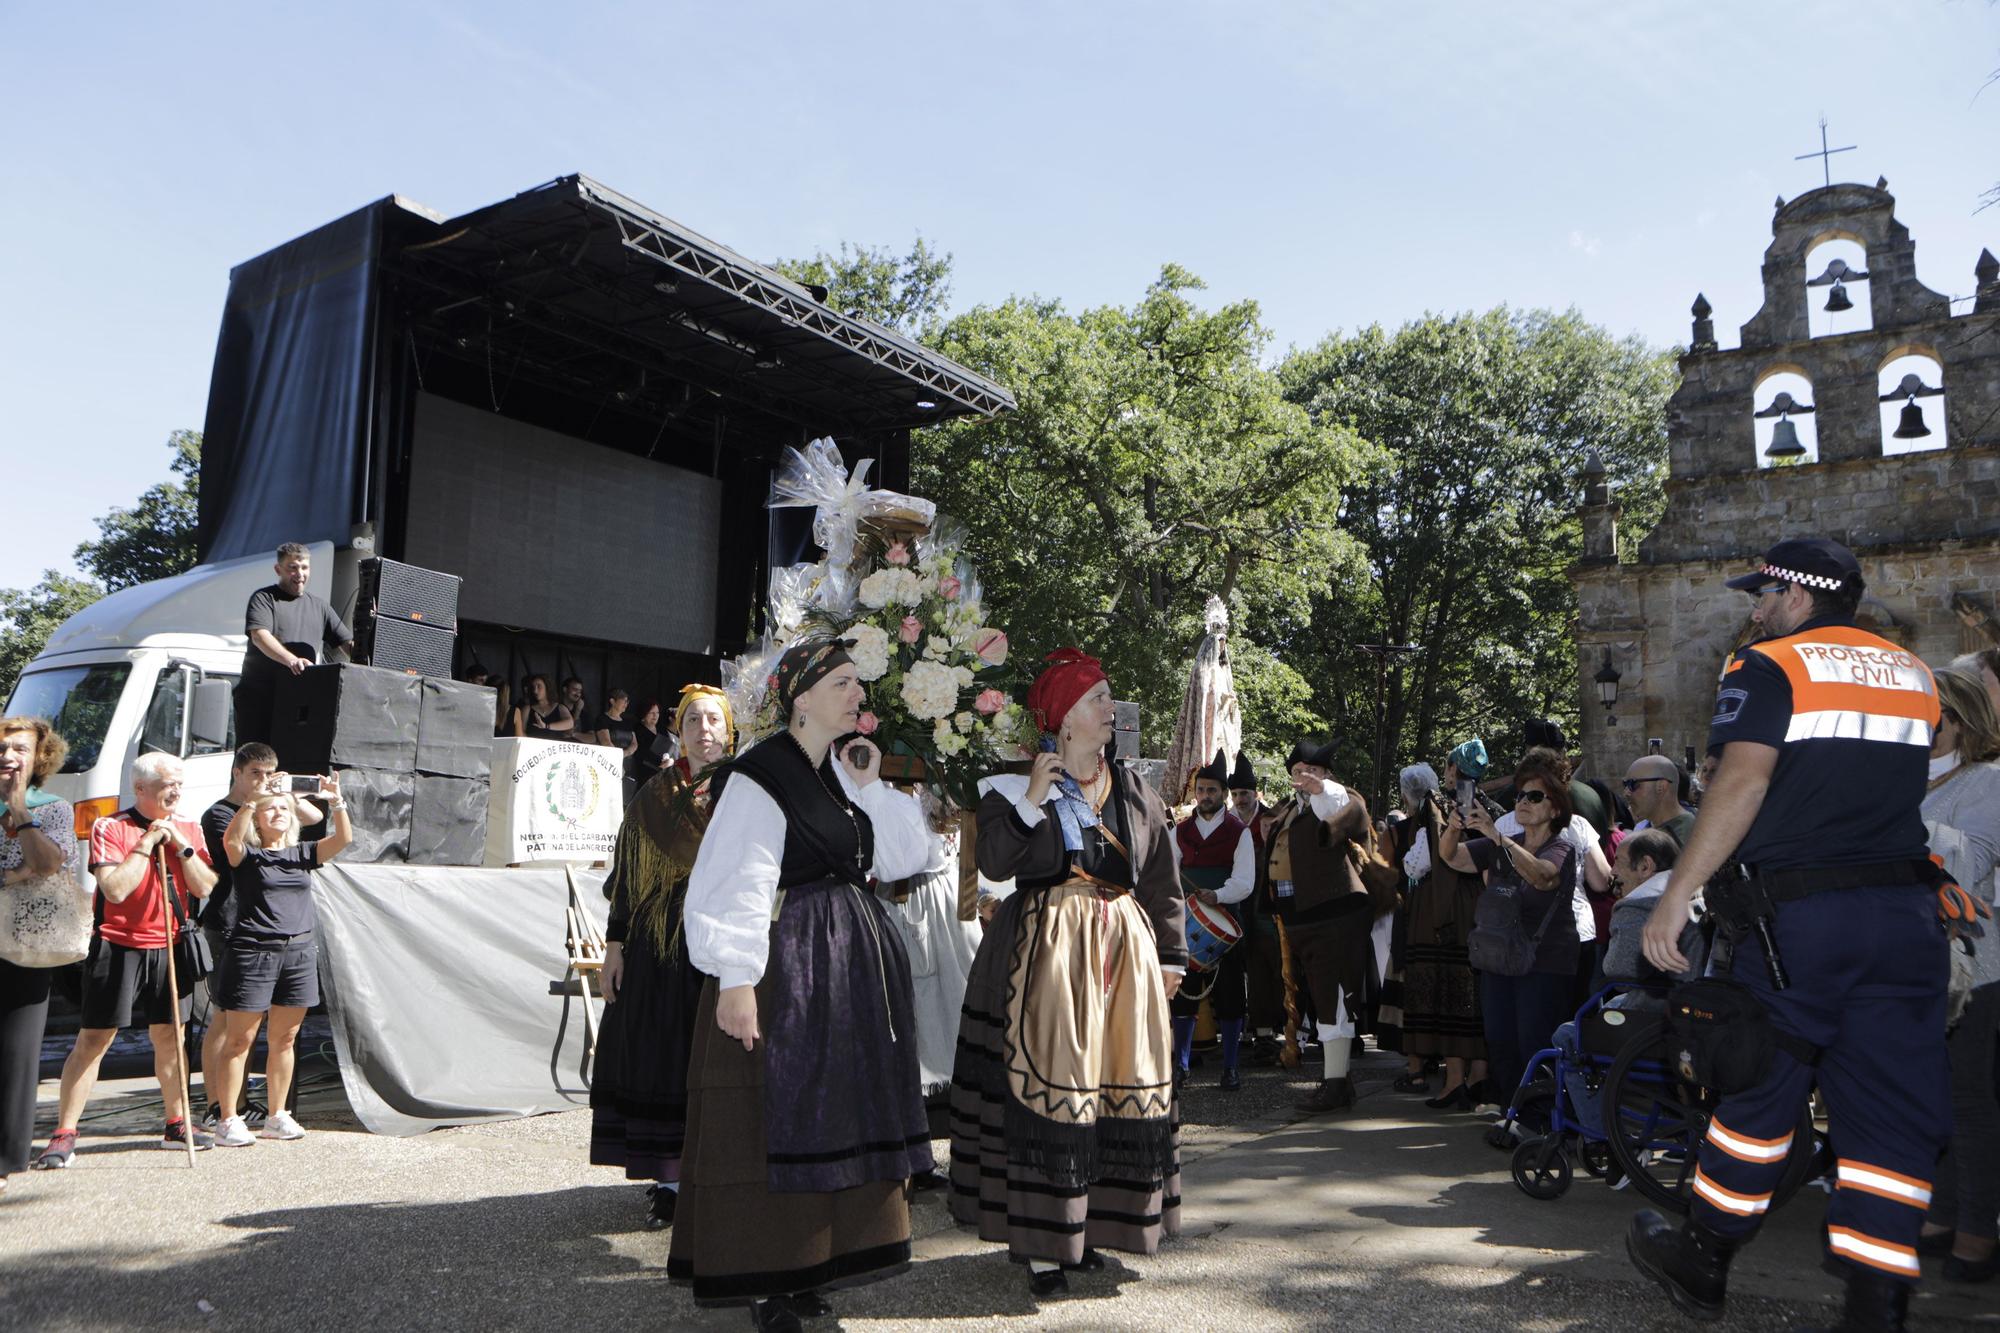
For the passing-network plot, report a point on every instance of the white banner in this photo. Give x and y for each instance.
(554, 801)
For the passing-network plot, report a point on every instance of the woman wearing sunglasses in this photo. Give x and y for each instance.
(1539, 866)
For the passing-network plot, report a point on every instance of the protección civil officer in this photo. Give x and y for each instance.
(1824, 732)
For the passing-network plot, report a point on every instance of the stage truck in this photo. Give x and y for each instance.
(567, 400)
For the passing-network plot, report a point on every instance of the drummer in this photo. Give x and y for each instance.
(1218, 868)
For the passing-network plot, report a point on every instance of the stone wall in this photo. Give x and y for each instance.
(1925, 526)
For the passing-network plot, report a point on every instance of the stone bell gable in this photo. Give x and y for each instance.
(1859, 404)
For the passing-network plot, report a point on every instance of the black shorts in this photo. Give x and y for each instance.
(124, 986)
(259, 974)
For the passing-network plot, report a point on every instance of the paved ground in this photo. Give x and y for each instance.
(1393, 1217)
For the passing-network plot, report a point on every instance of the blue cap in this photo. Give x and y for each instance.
(1470, 758)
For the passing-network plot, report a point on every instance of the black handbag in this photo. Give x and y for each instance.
(1720, 1036)
(1499, 945)
(193, 960)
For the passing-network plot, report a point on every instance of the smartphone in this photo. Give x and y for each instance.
(1464, 790)
(304, 785)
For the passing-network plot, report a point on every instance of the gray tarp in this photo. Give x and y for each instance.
(437, 983)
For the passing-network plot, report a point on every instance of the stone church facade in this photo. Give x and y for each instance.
(1925, 525)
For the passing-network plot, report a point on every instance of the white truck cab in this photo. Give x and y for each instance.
(153, 667)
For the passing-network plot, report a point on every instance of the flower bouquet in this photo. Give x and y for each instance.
(940, 692)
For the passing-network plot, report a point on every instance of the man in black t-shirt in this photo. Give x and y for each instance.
(288, 628)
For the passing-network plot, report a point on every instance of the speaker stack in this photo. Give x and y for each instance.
(413, 753)
(411, 617)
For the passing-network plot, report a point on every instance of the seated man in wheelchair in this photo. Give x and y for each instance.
(1639, 875)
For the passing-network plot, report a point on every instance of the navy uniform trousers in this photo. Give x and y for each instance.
(1867, 970)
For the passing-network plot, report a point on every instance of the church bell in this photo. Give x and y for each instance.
(1785, 440)
(1912, 426)
(1837, 300)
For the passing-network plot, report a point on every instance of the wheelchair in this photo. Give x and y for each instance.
(1606, 1096)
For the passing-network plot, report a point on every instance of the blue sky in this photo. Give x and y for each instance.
(1341, 163)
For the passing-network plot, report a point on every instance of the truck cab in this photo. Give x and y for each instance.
(153, 668)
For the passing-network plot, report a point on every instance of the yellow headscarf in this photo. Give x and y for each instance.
(690, 693)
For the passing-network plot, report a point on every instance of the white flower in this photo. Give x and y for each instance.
(961, 676)
(937, 647)
(966, 722)
(870, 651)
(945, 740)
(930, 690)
(878, 588)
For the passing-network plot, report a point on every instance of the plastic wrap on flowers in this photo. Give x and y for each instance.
(794, 591)
(945, 536)
(747, 682)
(818, 476)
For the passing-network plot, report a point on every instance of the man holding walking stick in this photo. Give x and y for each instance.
(127, 977)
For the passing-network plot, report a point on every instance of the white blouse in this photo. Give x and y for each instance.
(733, 889)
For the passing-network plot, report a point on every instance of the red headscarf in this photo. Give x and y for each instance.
(1070, 674)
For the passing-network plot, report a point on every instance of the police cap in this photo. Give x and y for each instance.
(1811, 562)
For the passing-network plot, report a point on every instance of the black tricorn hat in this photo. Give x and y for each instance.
(1242, 777)
(1215, 770)
(1305, 752)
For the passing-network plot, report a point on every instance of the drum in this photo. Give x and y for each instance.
(1211, 933)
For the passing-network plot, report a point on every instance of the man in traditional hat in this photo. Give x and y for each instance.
(1217, 857)
(1315, 887)
(1263, 952)
(1825, 732)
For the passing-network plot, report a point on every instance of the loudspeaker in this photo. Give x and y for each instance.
(448, 821)
(455, 728)
(398, 591)
(343, 716)
(378, 807)
(406, 646)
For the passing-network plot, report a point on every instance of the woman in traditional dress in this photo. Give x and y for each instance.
(941, 949)
(1441, 1015)
(1063, 1127)
(805, 1114)
(638, 1090)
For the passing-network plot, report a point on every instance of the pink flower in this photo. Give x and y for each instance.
(912, 630)
(990, 646)
(948, 587)
(866, 724)
(897, 554)
(989, 702)
(771, 681)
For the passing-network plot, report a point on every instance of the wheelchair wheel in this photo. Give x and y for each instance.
(1655, 1124)
(1541, 1167)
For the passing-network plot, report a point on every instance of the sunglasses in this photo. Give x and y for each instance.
(1531, 798)
(1633, 784)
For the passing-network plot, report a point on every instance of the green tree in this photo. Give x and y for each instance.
(1152, 460)
(29, 615)
(155, 538)
(906, 293)
(1469, 517)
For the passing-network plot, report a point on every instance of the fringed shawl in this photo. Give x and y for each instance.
(656, 848)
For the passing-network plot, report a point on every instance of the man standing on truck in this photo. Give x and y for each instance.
(288, 628)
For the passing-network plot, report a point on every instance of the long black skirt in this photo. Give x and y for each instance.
(638, 1087)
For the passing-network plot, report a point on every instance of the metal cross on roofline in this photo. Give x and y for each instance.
(1824, 153)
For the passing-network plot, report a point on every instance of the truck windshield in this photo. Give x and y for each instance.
(78, 701)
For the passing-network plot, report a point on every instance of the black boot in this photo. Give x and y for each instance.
(660, 1203)
(1690, 1262)
(1042, 1286)
(775, 1316)
(807, 1304)
(1333, 1094)
(1092, 1262)
(1875, 1304)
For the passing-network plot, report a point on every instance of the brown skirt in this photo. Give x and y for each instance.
(1441, 1014)
(734, 1239)
(1064, 1128)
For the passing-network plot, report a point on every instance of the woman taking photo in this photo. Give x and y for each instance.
(540, 717)
(37, 856)
(1063, 1132)
(270, 961)
(1441, 1016)
(638, 1086)
(805, 1119)
(1532, 881)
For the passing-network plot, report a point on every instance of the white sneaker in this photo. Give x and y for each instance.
(280, 1125)
(233, 1133)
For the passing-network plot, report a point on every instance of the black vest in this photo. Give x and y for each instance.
(820, 838)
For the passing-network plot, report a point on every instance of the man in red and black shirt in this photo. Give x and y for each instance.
(1218, 862)
(125, 975)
